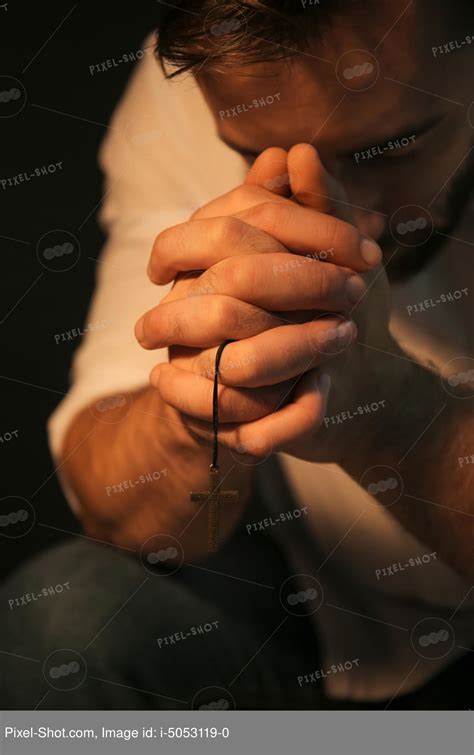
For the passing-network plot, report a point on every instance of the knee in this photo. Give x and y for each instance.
(54, 607)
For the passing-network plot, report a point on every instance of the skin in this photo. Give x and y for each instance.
(281, 378)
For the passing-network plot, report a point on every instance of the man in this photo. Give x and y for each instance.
(345, 569)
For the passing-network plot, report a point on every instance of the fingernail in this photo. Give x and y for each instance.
(344, 331)
(355, 288)
(370, 252)
(344, 328)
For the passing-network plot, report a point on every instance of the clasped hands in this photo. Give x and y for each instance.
(276, 265)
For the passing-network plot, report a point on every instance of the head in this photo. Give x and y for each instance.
(381, 88)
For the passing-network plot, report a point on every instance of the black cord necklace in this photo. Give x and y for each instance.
(214, 496)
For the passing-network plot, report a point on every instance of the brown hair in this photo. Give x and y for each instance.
(196, 35)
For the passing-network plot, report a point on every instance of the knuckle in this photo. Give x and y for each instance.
(321, 283)
(145, 329)
(331, 230)
(226, 231)
(154, 326)
(169, 246)
(339, 234)
(328, 282)
(238, 367)
(233, 275)
(233, 405)
(224, 310)
(162, 246)
(268, 214)
(248, 194)
(163, 327)
(156, 250)
(242, 405)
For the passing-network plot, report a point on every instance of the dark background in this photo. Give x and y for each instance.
(53, 65)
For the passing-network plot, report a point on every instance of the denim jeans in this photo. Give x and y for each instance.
(86, 626)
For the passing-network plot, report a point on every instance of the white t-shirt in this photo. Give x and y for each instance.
(162, 159)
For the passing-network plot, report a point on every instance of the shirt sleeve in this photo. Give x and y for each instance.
(161, 159)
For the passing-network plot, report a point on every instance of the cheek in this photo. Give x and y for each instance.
(386, 185)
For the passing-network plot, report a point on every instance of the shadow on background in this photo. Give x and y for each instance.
(49, 48)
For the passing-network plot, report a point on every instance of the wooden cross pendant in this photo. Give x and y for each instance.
(213, 497)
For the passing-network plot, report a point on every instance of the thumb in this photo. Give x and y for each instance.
(270, 172)
(311, 184)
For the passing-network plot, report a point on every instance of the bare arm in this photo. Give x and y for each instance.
(420, 433)
(103, 456)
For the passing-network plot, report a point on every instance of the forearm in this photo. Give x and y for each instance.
(133, 475)
(420, 432)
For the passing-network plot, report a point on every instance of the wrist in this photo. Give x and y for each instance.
(189, 452)
(369, 388)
